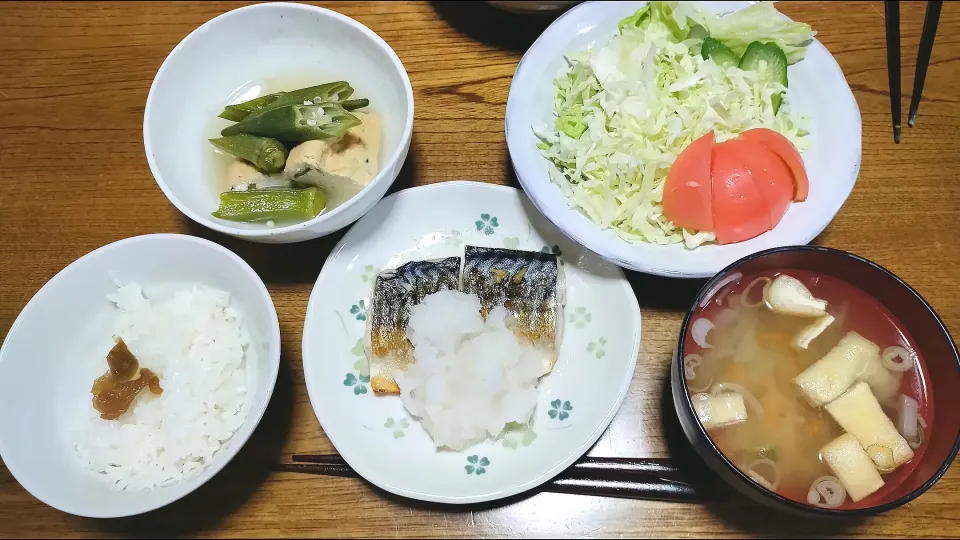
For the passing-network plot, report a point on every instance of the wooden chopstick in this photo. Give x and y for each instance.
(892, 11)
(927, 36)
(655, 479)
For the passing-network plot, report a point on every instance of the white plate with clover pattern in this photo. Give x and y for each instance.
(577, 400)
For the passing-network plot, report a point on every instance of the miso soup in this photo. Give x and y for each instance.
(809, 386)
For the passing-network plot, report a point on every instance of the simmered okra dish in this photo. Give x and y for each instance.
(809, 386)
(297, 154)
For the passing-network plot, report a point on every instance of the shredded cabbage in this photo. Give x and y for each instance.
(624, 112)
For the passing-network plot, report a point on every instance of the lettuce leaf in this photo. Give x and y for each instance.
(761, 22)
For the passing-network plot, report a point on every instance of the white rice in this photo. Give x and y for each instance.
(197, 344)
(470, 377)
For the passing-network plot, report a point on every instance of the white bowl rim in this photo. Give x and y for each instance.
(580, 235)
(266, 232)
(255, 414)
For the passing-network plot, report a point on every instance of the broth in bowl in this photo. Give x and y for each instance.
(809, 386)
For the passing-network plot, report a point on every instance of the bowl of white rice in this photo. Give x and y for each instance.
(192, 313)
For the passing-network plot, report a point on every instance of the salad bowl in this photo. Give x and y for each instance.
(818, 93)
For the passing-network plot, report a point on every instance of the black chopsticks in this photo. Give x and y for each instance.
(892, 10)
(929, 33)
(927, 37)
(632, 478)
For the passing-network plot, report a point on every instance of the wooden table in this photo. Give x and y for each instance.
(73, 82)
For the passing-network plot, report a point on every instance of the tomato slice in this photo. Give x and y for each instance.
(769, 173)
(782, 146)
(739, 210)
(686, 193)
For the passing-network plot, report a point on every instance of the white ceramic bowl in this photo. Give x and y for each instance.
(49, 352)
(232, 58)
(818, 90)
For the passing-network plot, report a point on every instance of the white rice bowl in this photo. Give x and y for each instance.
(470, 378)
(196, 342)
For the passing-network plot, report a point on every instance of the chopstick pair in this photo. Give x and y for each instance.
(652, 479)
(927, 36)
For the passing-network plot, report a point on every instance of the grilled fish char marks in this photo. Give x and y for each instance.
(528, 284)
(395, 292)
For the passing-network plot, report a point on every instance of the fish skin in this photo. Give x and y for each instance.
(529, 284)
(395, 292)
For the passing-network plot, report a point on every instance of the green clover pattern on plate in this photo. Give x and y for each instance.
(358, 382)
(359, 310)
(398, 427)
(369, 273)
(476, 465)
(486, 224)
(361, 365)
(454, 238)
(511, 242)
(579, 317)
(597, 347)
(559, 410)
